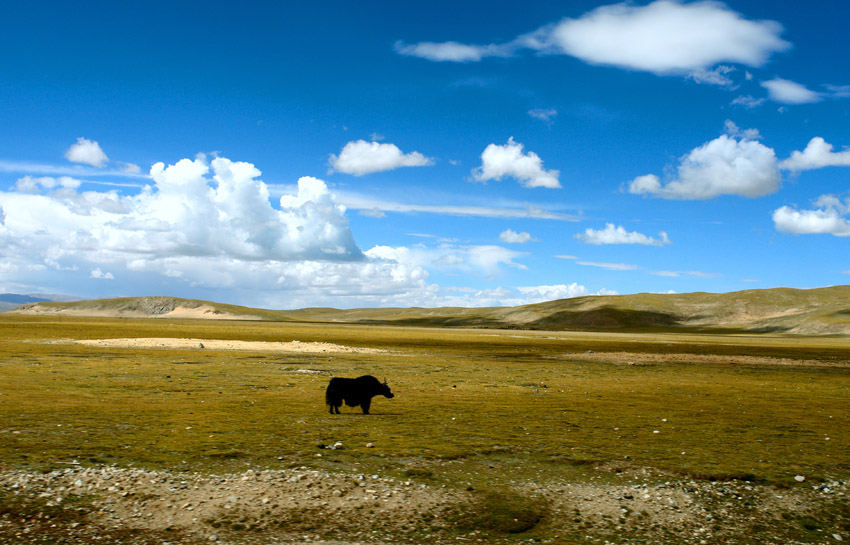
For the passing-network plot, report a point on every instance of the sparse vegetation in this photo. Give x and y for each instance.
(504, 418)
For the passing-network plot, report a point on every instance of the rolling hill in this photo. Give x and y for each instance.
(821, 311)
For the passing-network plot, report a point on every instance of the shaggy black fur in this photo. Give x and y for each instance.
(355, 392)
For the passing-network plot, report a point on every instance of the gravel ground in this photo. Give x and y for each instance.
(131, 506)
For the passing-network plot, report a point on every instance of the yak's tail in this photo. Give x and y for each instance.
(328, 395)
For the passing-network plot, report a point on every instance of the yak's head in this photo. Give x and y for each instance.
(385, 390)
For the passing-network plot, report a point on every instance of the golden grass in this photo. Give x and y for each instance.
(522, 402)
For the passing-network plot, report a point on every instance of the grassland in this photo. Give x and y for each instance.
(821, 311)
(487, 411)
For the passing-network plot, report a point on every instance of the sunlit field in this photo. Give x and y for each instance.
(474, 409)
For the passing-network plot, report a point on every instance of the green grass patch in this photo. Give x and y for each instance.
(500, 512)
(465, 400)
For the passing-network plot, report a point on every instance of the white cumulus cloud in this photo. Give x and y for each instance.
(33, 184)
(509, 160)
(829, 217)
(663, 37)
(97, 273)
(539, 294)
(818, 154)
(361, 157)
(512, 237)
(732, 164)
(668, 37)
(618, 235)
(206, 229)
(88, 152)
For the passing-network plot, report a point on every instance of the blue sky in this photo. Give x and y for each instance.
(344, 154)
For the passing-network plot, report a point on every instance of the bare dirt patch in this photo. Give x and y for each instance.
(218, 344)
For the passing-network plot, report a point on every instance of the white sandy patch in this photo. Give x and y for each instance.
(153, 310)
(217, 344)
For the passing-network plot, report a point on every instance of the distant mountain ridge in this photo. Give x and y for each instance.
(9, 301)
(820, 311)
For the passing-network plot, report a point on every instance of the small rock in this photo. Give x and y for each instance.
(201, 345)
(837, 537)
(337, 445)
(799, 478)
(370, 445)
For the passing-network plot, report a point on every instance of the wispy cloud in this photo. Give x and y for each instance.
(546, 115)
(453, 51)
(357, 201)
(790, 92)
(674, 274)
(748, 101)
(618, 235)
(609, 266)
(23, 167)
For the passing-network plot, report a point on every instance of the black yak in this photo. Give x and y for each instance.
(354, 392)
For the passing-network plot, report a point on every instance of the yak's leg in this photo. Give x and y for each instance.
(334, 403)
(366, 403)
